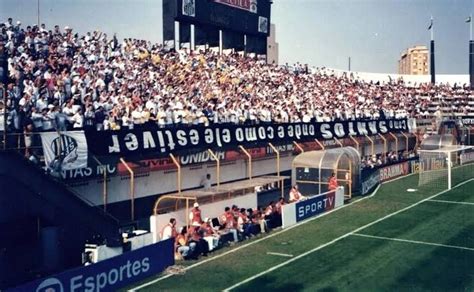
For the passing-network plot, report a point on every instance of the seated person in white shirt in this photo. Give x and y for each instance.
(206, 182)
(295, 195)
(169, 230)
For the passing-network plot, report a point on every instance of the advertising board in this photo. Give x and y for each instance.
(293, 213)
(393, 171)
(111, 274)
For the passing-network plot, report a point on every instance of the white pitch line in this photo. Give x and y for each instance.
(413, 241)
(452, 202)
(340, 238)
(280, 254)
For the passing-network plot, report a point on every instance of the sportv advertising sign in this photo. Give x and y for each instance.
(111, 274)
(315, 206)
(311, 207)
(163, 141)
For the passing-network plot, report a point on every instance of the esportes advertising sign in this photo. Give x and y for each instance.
(110, 274)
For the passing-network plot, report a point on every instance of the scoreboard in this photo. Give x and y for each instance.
(246, 16)
(235, 18)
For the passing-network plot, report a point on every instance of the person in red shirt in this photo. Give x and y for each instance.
(209, 234)
(229, 222)
(195, 235)
(195, 214)
(333, 182)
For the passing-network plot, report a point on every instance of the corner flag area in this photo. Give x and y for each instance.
(391, 240)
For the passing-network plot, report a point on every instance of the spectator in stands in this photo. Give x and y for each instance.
(269, 215)
(254, 221)
(129, 84)
(88, 259)
(278, 211)
(209, 234)
(369, 163)
(378, 161)
(28, 134)
(195, 214)
(201, 246)
(169, 230)
(295, 195)
(244, 225)
(206, 182)
(260, 218)
(182, 249)
(229, 223)
(332, 182)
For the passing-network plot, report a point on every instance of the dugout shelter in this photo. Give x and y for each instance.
(311, 170)
(438, 141)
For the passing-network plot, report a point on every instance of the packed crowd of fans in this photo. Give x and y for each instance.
(391, 157)
(203, 235)
(63, 80)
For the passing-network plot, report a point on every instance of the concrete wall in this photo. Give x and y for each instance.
(165, 181)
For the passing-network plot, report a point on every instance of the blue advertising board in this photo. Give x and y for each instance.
(110, 274)
(315, 206)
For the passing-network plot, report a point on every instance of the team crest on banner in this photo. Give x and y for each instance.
(189, 8)
(262, 24)
(64, 151)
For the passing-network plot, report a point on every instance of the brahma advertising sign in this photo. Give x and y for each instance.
(393, 171)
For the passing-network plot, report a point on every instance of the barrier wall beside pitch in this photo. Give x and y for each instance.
(111, 274)
(293, 213)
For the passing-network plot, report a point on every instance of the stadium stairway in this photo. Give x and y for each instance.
(44, 226)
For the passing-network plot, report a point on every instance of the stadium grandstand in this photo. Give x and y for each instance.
(60, 79)
(127, 164)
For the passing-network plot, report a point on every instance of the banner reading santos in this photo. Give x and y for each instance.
(163, 141)
(467, 121)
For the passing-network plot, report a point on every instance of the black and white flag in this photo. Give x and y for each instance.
(64, 151)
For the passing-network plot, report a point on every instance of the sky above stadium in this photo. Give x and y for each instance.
(315, 32)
